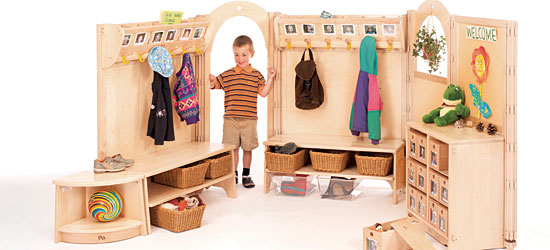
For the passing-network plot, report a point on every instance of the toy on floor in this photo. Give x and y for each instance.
(105, 205)
(453, 108)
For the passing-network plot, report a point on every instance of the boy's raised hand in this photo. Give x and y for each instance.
(212, 79)
(271, 73)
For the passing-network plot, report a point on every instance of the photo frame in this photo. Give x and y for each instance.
(421, 208)
(433, 188)
(421, 181)
(413, 148)
(186, 34)
(170, 35)
(370, 29)
(433, 216)
(157, 36)
(434, 159)
(444, 194)
(411, 175)
(389, 29)
(290, 29)
(140, 38)
(412, 202)
(198, 33)
(422, 152)
(371, 244)
(126, 40)
(308, 29)
(329, 29)
(348, 29)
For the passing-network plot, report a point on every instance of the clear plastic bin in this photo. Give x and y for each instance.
(299, 185)
(338, 188)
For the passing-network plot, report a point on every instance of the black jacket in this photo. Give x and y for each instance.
(161, 125)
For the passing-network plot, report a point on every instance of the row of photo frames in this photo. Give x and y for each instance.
(158, 36)
(347, 29)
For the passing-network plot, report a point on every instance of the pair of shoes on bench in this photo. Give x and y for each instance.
(115, 163)
(288, 148)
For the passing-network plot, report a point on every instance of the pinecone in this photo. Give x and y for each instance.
(480, 126)
(491, 129)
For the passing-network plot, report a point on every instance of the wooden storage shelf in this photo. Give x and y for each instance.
(73, 221)
(474, 213)
(88, 230)
(159, 193)
(345, 143)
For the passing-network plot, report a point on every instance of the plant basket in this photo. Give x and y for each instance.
(329, 161)
(220, 165)
(177, 221)
(183, 177)
(374, 164)
(283, 162)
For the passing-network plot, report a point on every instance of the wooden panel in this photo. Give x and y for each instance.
(426, 96)
(90, 231)
(338, 71)
(124, 111)
(493, 90)
(476, 169)
(70, 205)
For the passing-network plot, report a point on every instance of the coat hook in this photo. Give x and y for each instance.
(328, 43)
(308, 42)
(348, 42)
(198, 50)
(124, 59)
(288, 43)
(390, 45)
(140, 58)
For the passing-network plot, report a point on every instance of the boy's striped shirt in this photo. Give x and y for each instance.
(241, 87)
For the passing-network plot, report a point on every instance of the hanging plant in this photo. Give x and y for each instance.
(431, 47)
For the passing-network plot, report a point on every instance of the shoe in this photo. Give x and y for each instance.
(289, 148)
(118, 158)
(247, 182)
(108, 165)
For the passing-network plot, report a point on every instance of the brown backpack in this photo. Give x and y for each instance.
(308, 89)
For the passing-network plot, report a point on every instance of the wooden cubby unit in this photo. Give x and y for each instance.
(73, 222)
(474, 215)
(396, 178)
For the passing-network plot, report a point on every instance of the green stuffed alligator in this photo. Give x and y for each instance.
(452, 109)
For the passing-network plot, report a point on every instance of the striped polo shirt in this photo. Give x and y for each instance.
(241, 87)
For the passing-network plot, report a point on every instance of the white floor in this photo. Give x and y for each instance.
(251, 221)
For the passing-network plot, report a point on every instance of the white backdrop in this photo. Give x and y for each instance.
(48, 88)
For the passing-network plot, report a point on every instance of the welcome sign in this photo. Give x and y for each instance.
(481, 33)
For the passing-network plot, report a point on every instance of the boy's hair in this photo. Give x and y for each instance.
(243, 40)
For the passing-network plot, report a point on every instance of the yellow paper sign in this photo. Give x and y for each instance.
(170, 17)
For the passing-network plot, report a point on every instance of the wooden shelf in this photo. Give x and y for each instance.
(88, 230)
(147, 165)
(430, 229)
(452, 135)
(337, 142)
(159, 193)
(350, 172)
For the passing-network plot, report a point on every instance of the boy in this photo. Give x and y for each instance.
(242, 84)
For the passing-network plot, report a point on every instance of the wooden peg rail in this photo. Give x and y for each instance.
(320, 37)
(132, 50)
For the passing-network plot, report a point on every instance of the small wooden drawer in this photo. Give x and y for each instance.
(433, 213)
(412, 172)
(422, 201)
(444, 190)
(443, 220)
(412, 200)
(421, 177)
(412, 147)
(439, 155)
(433, 185)
(422, 142)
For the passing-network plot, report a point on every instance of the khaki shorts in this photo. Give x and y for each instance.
(240, 132)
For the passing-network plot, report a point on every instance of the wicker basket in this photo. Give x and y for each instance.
(376, 164)
(220, 165)
(183, 177)
(177, 221)
(329, 161)
(285, 163)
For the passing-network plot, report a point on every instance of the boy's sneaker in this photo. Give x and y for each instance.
(289, 148)
(118, 158)
(108, 165)
(247, 182)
